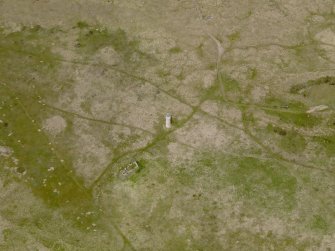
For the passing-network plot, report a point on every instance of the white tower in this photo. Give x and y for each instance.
(168, 120)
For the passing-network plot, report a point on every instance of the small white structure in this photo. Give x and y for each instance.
(168, 120)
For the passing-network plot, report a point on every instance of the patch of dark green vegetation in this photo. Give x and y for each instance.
(233, 37)
(327, 80)
(300, 120)
(319, 223)
(175, 50)
(327, 142)
(91, 39)
(230, 84)
(290, 141)
(291, 112)
(82, 25)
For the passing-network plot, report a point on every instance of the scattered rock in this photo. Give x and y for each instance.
(5, 151)
(51, 169)
(318, 108)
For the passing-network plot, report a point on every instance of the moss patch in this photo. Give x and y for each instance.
(92, 39)
(175, 50)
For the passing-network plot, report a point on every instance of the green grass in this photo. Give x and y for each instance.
(26, 60)
(319, 223)
(290, 140)
(300, 120)
(265, 184)
(82, 25)
(295, 114)
(44, 170)
(230, 84)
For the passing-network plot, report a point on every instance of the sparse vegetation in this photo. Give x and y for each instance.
(86, 162)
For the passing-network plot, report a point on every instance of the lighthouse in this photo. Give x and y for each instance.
(168, 120)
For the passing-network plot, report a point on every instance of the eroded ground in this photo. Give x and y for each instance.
(86, 163)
